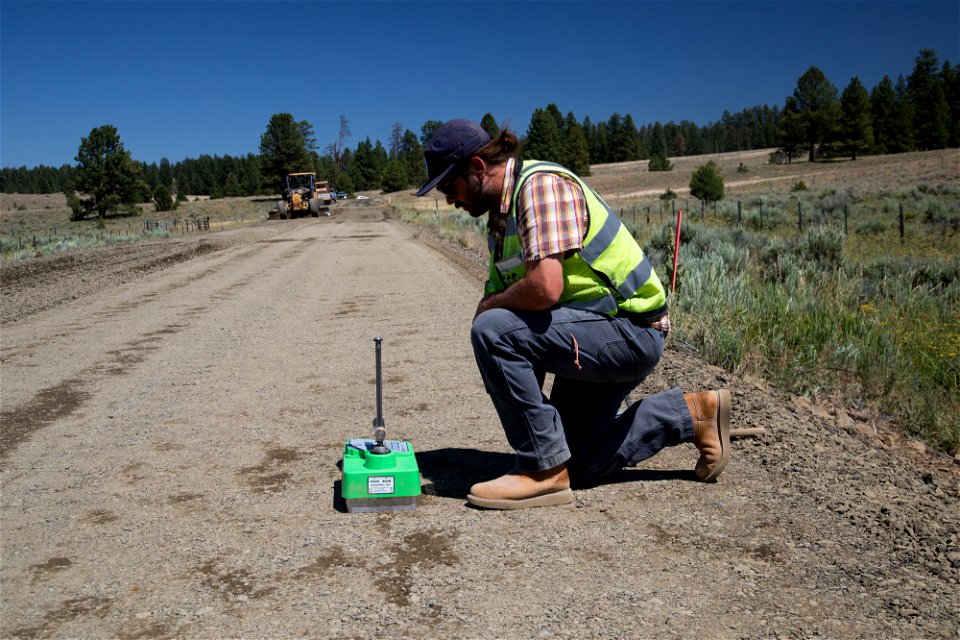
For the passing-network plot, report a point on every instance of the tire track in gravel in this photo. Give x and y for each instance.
(60, 400)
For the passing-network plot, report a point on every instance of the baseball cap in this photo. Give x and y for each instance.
(454, 141)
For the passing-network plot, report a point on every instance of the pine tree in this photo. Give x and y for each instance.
(412, 156)
(658, 141)
(904, 115)
(396, 140)
(856, 126)
(596, 141)
(790, 131)
(106, 172)
(622, 143)
(931, 113)
(632, 141)
(231, 187)
(816, 101)
(251, 177)
(489, 124)
(575, 147)
(166, 173)
(428, 129)
(543, 138)
(950, 79)
(285, 147)
(395, 176)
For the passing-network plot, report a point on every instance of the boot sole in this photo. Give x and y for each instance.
(723, 422)
(564, 496)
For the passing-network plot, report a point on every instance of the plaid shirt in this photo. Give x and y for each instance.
(552, 219)
(551, 214)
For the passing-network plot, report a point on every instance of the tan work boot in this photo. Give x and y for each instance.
(710, 411)
(521, 490)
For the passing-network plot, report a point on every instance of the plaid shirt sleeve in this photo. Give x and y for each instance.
(551, 217)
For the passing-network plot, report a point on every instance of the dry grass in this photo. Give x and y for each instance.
(630, 184)
(24, 216)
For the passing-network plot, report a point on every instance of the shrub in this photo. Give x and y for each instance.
(870, 228)
(78, 208)
(823, 247)
(668, 195)
(799, 186)
(162, 200)
(742, 168)
(659, 162)
(707, 183)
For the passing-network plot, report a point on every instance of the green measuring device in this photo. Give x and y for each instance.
(379, 474)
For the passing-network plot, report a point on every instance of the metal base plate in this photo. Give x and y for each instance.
(377, 505)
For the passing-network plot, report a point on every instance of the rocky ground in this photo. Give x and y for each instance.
(173, 416)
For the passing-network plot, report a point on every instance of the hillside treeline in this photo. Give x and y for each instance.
(919, 112)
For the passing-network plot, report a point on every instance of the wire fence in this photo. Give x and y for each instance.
(16, 244)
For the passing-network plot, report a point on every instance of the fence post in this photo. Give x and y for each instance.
(673, 209)
(799, 217)
(901, 223)
(738, 212)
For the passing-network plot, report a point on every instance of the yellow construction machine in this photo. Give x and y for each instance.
(301, 197)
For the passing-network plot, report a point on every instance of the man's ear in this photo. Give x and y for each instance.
(477, 165)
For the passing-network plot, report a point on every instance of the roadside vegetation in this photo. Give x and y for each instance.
(836, 308)
(44, 224)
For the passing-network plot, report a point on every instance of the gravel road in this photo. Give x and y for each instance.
(173, 415)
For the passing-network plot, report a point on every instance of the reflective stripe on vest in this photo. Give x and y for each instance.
(610, 257)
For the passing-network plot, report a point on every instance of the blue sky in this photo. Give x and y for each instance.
(179, 79)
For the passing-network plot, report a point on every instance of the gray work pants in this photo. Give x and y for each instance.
(596, 360)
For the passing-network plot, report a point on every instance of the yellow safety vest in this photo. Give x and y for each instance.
(610, 274)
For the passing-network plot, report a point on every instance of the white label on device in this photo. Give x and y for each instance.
(380, 484)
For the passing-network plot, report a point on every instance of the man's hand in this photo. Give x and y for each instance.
(540, 288)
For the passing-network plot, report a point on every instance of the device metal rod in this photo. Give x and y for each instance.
(378, 421)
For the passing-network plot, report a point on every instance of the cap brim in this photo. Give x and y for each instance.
(425, 189)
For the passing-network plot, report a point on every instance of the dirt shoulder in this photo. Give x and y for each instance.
(171, 440)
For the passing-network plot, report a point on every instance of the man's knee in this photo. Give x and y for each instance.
(489, 327)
